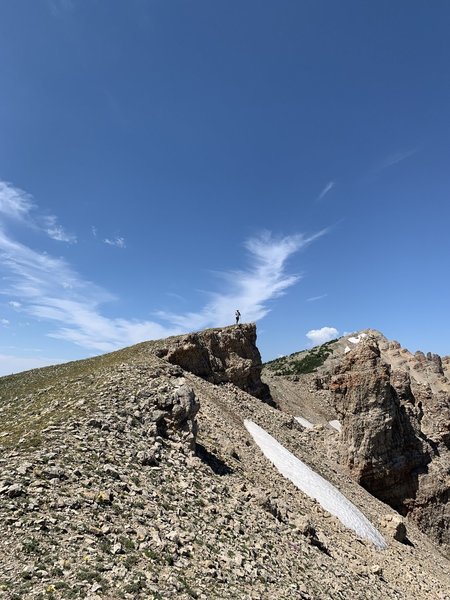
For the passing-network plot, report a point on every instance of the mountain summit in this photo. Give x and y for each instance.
(164, 470)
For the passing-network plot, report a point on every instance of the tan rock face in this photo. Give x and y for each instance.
(395, 433)
(220, 356)
(379, 441)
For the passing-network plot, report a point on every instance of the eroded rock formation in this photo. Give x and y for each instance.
(395, 430)
(227, 355)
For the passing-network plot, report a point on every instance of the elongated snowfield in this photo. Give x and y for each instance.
(314, 485)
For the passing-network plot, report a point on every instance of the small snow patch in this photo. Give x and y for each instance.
(347, 349)
(315, 486)
(304, 422)
(358, 338)
(336, 425)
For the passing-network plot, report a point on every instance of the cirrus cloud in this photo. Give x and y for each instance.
(49, 289)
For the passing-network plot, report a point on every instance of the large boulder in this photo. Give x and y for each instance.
(227, 355)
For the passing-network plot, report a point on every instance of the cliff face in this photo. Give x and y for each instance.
(394, 411)
(381, 441)
(395, 429)
(227, 355)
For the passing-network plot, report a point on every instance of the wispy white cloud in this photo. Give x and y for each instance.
(252, 289)
(395, 158)
(315, 298)
(322, 335)
(4, 322)
(49, 289)
(329, 186)
(56, 231)
(176, 296)
(94, 230)
(119, 242)
(14, 202)
(18, 205)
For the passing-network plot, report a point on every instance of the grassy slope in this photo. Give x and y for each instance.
(299, 363)
(33, 400)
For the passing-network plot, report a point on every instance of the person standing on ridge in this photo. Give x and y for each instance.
(238, 316)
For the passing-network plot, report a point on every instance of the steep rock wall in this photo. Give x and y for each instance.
(395, 436)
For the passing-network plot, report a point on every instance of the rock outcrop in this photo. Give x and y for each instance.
(381, 441)
(394, 412)
(227, 355)
(395, 430)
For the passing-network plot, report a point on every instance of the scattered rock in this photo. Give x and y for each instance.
(394, 527)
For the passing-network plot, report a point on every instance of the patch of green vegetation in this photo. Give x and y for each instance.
(136, 586)
(149, 553)
(89, 575)
(130, 561)
(31, 546)
(105, 546)
(300, 363)
(127, 543)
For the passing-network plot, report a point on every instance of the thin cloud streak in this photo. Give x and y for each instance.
(330, 185)
(397, 157)
(15, 203)
(315, 298)
(49, 289)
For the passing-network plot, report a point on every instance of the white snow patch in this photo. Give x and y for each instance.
(304, 422)
(358, 338)
(347, 349)
(314, 485)
(336, 425)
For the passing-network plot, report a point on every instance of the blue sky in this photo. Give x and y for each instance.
(163, 163)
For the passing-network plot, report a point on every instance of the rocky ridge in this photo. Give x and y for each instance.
(394, 410)
(127, 476)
